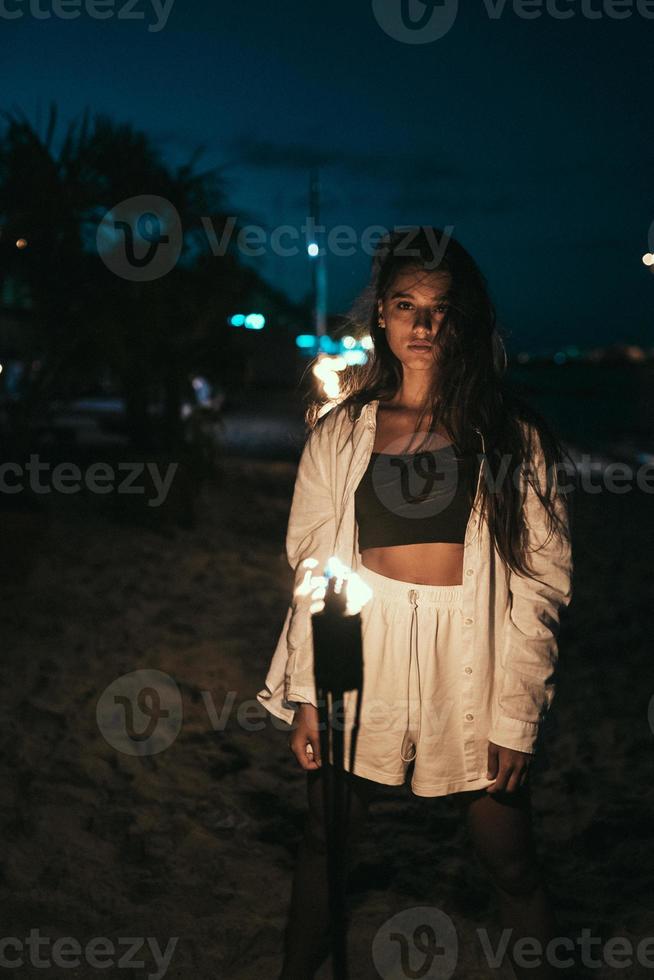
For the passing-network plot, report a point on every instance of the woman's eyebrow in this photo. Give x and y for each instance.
(437, 299)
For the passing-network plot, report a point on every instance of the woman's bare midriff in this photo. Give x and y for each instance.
(429, 563)
(437, 563)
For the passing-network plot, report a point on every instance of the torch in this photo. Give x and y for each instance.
(338, 667)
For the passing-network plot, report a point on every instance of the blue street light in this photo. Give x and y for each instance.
(330, 346)
(306, 341)
(351, 350)
(251, 321)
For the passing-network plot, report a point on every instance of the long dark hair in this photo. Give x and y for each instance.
(469, 390)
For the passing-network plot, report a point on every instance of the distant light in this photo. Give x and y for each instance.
(523, 357)
(313, 249)
(326, 370)
(329, 346)
(304, 340)
(367, 342)
(255, 321)
(21, 243)
(355, 357)
(560, 357)
(648, 258)
(328, 365)
(348, 342)
(237, 320)
(202, 390)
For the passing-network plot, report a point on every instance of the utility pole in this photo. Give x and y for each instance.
(317, 257)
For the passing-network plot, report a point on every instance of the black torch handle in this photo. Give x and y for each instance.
(338, 667)
(334, 819)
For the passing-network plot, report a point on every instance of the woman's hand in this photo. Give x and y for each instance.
(508, 767)
(304, 740)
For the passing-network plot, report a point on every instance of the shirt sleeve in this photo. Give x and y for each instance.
(530, 650)
(311, 534)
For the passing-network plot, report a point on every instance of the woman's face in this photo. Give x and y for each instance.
(413, 312)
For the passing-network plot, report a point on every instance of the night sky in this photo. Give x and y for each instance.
(532, 137)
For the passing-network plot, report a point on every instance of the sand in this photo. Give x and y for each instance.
(198, 840)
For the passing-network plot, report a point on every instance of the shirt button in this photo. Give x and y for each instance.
(468, 670)
(469, 716)
(470, 572)
(467, 620)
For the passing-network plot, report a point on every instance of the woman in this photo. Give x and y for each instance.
(439, 489)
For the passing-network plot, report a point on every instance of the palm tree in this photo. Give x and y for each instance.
(43, 195)
(54, 194)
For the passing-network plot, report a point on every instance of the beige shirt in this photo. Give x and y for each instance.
(510, 622)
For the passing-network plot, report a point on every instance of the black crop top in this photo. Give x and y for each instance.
(409, 498)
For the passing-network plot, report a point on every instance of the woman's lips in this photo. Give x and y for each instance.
(420, 346)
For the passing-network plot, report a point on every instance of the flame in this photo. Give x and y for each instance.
(310, 582)
(326, 370)
(358, 592)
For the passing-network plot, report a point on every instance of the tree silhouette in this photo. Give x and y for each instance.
(54, 193)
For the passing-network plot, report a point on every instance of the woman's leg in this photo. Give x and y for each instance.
(307, 935)
(500, 828)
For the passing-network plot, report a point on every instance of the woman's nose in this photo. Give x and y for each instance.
(423, 319)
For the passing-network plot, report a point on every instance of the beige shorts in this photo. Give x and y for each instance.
(410, 706)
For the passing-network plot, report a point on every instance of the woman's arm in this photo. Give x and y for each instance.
(530, 650)
(310, 534)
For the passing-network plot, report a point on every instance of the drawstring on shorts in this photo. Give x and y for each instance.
(413, 598)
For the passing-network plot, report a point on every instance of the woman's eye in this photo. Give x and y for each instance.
(404, 305)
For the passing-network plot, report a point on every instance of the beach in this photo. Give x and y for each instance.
(196, 843)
